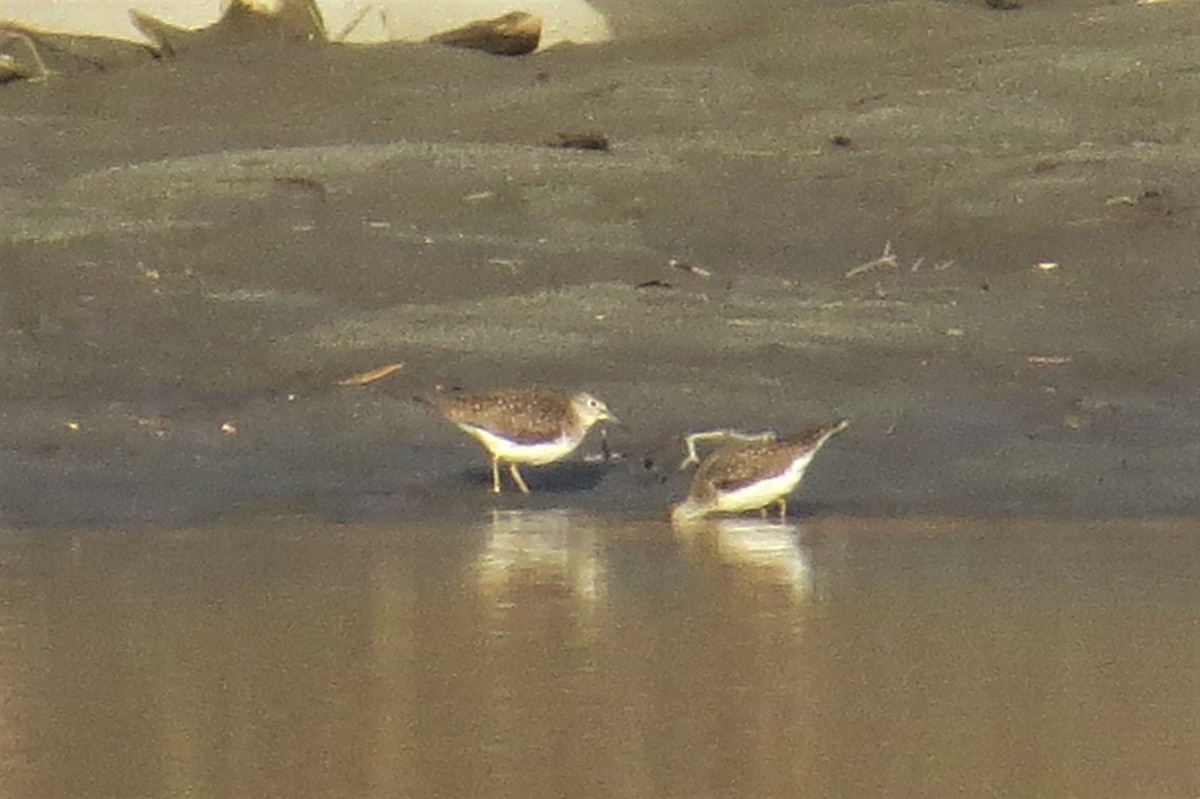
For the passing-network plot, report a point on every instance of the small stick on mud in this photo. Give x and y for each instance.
(887, 260)
(366, 378)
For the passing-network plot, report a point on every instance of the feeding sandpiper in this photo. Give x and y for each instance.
(743, 476)
(532, 426)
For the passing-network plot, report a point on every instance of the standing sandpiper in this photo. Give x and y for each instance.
(745, 476)
(526, 426)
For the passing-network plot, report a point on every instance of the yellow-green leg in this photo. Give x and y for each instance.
(495, 475)
(782, 507)
(516, 475)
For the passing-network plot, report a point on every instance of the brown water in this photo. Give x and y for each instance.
(551, 655)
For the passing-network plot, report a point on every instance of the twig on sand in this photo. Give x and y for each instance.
(720, 435)
(366, 378)
(352, 24)
(939, 266)
(888, 260)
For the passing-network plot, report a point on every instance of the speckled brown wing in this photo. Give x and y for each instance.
(525, 416)
(737, 465)
(815, 436)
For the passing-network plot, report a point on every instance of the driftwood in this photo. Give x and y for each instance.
(31, 68)
(299, 20)
(30, 54)
(515, 33)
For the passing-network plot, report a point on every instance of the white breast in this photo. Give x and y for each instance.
(536, 454)
(757, 495)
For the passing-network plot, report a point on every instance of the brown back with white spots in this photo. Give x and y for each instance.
(524, 415)
(739, 464)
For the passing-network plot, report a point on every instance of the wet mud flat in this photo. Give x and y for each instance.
(970, 233)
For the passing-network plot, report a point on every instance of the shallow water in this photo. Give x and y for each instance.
(549, 654)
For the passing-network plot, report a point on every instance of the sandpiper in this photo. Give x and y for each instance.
(531, 426)
(744, 476)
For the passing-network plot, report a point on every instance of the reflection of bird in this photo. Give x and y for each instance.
(751, 476)
(766, 550)
(531, 426)
(531, 550)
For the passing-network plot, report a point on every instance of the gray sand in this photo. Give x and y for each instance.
(221, 237)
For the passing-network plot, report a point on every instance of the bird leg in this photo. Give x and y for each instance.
(495, 475)
(782, 508)
(516, 475)
(708, 435)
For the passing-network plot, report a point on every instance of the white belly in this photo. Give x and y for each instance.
(764, 492)
(535, 454)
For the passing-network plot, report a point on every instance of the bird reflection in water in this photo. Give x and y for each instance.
(540, 551)
(765, 552)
